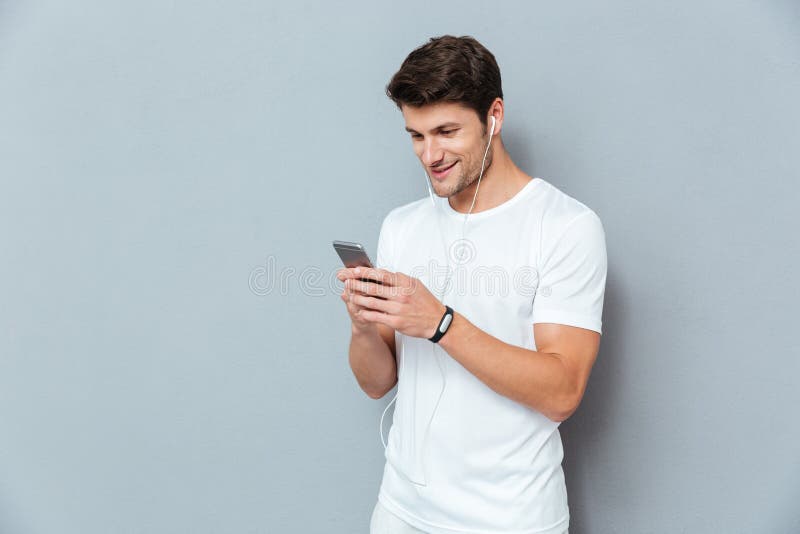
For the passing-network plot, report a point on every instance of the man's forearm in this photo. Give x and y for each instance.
(372, 362)
(538, 380)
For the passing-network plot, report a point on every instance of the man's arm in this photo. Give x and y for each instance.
(372, 359)
(551, 379)
(372, 346)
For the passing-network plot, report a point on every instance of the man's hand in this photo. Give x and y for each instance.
(372, 345)
(399, 301)
(353, 309)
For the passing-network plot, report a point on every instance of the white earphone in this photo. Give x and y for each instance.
(463, 230)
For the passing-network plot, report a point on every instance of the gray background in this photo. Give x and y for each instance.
(156, 156)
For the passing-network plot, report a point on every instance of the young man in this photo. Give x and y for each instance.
(487, 315)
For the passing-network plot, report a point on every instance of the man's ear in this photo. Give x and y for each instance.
(496, 112)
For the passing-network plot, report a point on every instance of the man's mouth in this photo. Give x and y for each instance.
(443, 172)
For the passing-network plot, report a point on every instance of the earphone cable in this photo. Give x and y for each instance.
(439, 363)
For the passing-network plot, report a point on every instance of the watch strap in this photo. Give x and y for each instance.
(444, 325)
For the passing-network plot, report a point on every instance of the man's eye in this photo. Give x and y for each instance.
(447, 132)
(416, 136)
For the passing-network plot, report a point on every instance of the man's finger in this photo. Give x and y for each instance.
(347, 272)
(378, 317)
(341, 274)
(374, 303)
(387, 278)
(367, 287)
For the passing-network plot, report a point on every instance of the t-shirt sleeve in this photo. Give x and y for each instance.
(572, 276)
(384, 254)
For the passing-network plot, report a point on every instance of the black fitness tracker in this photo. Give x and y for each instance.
(444, 324)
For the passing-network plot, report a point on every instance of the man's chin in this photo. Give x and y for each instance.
(447, 191)
(442, 193)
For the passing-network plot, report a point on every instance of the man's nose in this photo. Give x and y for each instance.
(431, 153)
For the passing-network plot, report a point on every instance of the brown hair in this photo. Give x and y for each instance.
(448, 69)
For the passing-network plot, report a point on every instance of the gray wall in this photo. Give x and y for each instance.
(160, 160)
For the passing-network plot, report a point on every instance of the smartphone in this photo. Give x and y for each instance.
(354, 255)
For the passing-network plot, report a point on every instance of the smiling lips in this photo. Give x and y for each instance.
(440, 174)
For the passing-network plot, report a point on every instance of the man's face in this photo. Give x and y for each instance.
(450, 141)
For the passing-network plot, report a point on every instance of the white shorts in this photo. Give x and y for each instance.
(385, 522)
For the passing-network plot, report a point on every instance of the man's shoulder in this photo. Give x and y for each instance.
(560, 209)
(408, 212)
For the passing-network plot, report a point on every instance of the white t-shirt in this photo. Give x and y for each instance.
(461, 457)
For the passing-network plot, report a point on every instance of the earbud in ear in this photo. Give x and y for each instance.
(493, 123)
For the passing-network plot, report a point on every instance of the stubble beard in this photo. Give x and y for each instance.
(469, 176)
